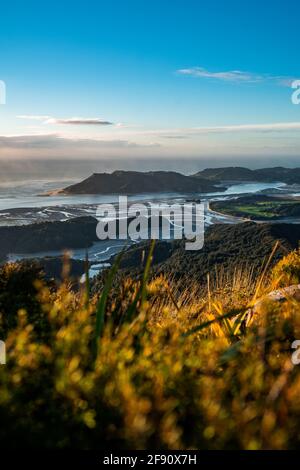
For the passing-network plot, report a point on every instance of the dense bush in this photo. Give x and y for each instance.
(166, 370)
(287, 271)
(19, 285)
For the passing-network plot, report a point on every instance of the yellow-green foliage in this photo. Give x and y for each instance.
(287, 271)
(154, 383)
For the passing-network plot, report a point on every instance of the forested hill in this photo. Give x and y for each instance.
(134, 182)
(281, 174)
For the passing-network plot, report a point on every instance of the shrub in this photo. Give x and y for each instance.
(287, 271)
(166, 373)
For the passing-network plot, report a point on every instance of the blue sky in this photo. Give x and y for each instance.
(140, 78)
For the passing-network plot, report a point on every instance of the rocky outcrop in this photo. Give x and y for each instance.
(278, 297)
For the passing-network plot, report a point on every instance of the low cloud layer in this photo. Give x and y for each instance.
(158, 142)
(52, 146)
(54, 141)
(183, 133)
(260, 128)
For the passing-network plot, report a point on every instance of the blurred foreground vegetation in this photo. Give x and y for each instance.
(149, 365)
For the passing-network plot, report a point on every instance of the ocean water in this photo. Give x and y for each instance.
(21, 203)
(30, 194)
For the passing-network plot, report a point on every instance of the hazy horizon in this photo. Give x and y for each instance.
(56, 169)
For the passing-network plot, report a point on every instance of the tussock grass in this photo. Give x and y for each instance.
(149, 365)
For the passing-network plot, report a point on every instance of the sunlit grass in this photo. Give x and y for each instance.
(149, 365)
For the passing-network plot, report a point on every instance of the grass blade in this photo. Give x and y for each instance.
(101, 306)
(265, 271)
(87, 280)
(142, 291)
(206, 324)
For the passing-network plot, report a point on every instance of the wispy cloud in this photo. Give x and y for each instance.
(32, 117)
(273, 127)
(78, 121)
(236, 76)
(183, 133)
(74, 121)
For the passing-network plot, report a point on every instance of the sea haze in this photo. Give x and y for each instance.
(78, 169)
